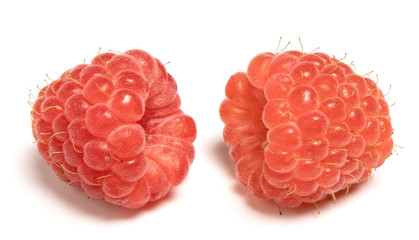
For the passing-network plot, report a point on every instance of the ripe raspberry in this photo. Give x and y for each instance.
(114, 128)
(302, 126)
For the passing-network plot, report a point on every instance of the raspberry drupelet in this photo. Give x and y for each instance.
(302, 126)
(114, 128)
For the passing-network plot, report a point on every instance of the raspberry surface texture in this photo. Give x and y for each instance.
(303, 126)
(114, 128)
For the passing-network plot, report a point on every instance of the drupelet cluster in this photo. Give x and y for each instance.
(302, 126)
(114, 128)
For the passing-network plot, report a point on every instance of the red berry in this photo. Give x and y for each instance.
(114, 128)
(318, 129)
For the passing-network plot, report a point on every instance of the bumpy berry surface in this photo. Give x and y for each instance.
(302, 126)
(114, 128)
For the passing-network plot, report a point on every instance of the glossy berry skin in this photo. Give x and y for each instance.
(302, 126)
(114, 128)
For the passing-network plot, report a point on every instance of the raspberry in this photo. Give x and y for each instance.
(114, 128)
(302, 126)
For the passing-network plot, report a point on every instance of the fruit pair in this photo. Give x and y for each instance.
(300, 126)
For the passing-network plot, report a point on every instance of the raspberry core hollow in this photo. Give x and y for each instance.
(302, 126)
(114, 128)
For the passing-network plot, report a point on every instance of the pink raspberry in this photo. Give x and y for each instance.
(114, 128)
(302, 126)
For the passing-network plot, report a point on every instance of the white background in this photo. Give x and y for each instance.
(205, 43)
